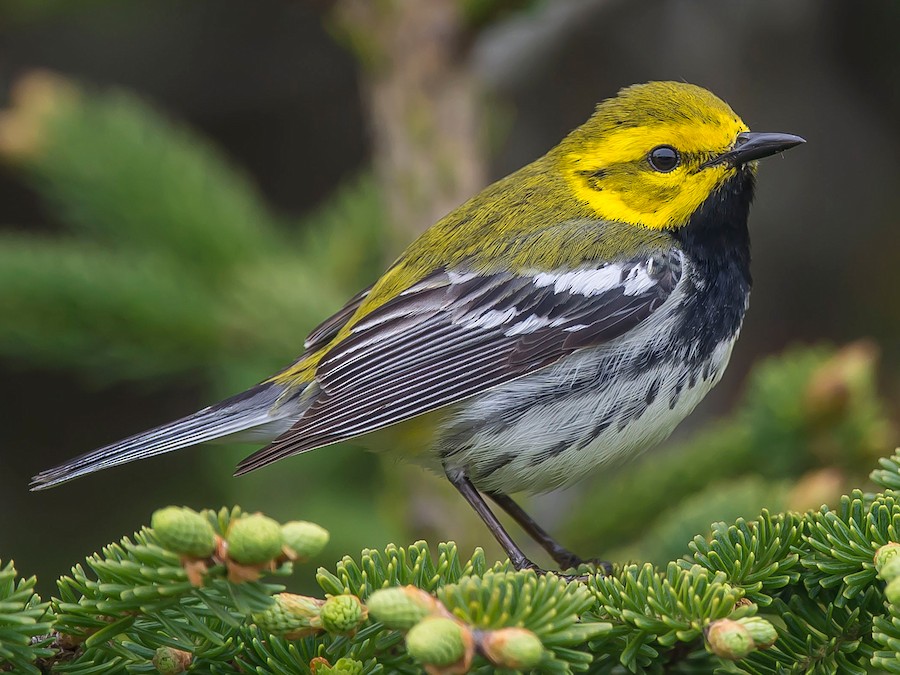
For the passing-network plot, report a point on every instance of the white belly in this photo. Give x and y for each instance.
(560, 439)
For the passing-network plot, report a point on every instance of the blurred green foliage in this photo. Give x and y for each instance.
(170, 267)
(170, 262)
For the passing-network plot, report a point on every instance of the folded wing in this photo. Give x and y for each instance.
(458, 333)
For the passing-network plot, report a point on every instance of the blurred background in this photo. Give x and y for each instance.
(187, 188)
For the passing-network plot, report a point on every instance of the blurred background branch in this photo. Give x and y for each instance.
(424, 106)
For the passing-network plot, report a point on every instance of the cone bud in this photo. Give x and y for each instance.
(37, 99)
(763, 633)
(343, 666)
(512, 648)
(254, 539)
(170, 661)
(343, 614)
(891, 570)
(729, 639)
(441, 644)
(183, 531)
(401, 608)
(887, 561)
(292, 616)
(303, 540)
(892, 592)
(833, 384)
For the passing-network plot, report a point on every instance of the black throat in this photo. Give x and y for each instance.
(717, 243)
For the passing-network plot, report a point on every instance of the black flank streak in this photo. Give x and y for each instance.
(602, 425)
(648, 359)
(632, 413)
(550, 453)
(497, 463)
(652, 391)
(676, 394)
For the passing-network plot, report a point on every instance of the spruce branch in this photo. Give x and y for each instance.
(168, 261)
(23, 620)
(782, 593)
(757, 556)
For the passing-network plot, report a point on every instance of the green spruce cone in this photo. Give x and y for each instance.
(183, 531)
(887, 562)
(885, 554)
(292, 616)
(512, 648)
(303, 540)
(437, 641)
(763, 633)
(170, 661)
(892, 591)
(342, 614)
(400, 608)
(729, 639)
(254, 539)
(343, 666)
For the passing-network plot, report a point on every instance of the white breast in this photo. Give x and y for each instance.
(557, 442)
(595, 407)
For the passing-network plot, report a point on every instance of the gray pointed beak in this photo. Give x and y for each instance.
(752, 145)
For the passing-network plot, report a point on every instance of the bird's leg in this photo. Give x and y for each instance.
(462, 483)
(560, 554)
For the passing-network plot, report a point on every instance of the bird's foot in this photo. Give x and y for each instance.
(569, 561)
(583, 569)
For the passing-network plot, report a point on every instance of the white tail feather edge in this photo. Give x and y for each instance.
(256, 414)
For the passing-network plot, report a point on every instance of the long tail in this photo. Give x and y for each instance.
(256, 414)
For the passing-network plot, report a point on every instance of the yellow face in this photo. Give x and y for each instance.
(640, 158)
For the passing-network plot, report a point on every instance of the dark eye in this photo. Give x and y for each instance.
(664, 158)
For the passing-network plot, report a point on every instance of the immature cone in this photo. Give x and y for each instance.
(183, 531)
(303, 540)
(343, 666)
(441, 645)
(292, 616)
(892, 591)
(170, 661)
(729, 639)
(890, 570)
(512, 648)
(887, 561)
(833, 383)
(343, 614)
(763, 633)
(401, 608)
(36, 98)
(254, 539)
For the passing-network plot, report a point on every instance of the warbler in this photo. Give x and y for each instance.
(567, 317)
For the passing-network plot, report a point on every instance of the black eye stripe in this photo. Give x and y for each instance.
(664, 158)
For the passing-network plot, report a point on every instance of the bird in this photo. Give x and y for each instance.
(565, 319)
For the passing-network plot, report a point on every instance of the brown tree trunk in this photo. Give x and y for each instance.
(423, 106)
